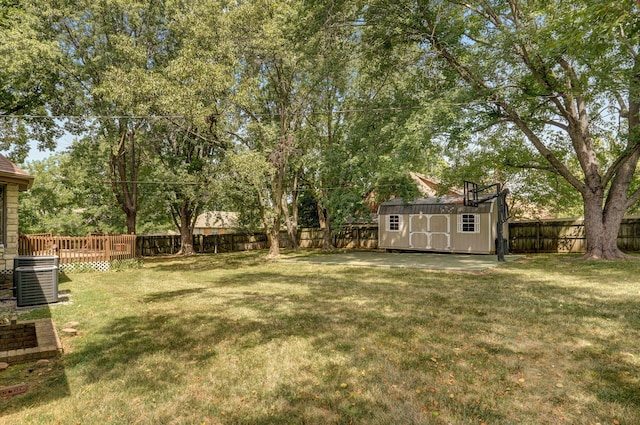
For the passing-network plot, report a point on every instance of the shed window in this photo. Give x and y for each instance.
(394, 223)
(468, 223)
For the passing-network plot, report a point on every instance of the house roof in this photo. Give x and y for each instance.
(427, 186)
(10, 173)
(217, 220)
(431, 187)
(432, 205)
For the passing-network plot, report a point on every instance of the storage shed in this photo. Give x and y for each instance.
(439, 224)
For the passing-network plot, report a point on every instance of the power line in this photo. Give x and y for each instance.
(158, 182)
(72, 117)
(90, 117)
(155, 182)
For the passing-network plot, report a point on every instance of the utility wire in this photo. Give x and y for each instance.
(156, 182)
(60, 117)
(88, 117)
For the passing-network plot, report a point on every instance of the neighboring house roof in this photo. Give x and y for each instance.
(10, 173)
(427, 186)
(432, 205)
(522, 210)
(430, 187)
(217, 220)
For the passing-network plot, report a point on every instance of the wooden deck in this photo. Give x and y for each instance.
(73, 249)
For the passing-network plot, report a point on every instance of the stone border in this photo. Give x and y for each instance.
(49, 344)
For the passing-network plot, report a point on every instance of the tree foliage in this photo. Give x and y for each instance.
(29, 77)
(338, 100)
(552, 80)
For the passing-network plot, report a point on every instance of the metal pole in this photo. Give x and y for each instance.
(502, 218)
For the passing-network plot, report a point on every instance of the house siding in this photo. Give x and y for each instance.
(10, 249)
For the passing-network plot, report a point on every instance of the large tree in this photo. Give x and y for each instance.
(186, 90)
(98, 39)
(559, 80)
(271, 97)
(29, 77)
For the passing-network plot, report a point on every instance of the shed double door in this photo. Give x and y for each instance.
(430, 232)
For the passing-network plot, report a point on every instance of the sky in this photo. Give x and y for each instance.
(37, 155)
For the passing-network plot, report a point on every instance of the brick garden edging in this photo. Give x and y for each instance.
(48, 344)
(18, 335)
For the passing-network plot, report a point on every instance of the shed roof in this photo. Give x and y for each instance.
(10, 173)
(435, 205)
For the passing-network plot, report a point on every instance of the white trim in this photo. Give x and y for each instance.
(476, 223)
(492, 229)
(428, 231)
(388, 223)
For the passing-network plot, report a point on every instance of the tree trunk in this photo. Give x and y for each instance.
(131, 221)
(184, 218)
(273, 231)
(325, 225)
(291, 219)
(271, 226)
(601, 230)
(124, 163)
(603, 224)
(273, 236)
(186, 234)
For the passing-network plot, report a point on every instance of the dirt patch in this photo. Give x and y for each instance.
(417, 260)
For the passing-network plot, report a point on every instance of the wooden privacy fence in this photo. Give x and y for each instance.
(79, 249)
(359, 237)
(548, 236)
(562, 236)
(170, 244)
(565, 236)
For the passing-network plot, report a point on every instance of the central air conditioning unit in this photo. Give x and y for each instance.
(34, 261)
(36, 285)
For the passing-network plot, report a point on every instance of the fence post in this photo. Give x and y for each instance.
(107, 248)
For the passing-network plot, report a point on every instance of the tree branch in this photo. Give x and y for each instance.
(624, 110)
(469, 76)
(543, 77)
(619, 162)
(545, 152)
(558, 124)
(547, 168)
(574, 84)
(626, 41)
(193, 133)
(633, 199)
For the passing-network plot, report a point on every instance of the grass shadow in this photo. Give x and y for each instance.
(166, 296)
(46, 383)
(531, 342)
(208, 262)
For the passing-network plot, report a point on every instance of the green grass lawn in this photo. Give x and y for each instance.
(237, 339)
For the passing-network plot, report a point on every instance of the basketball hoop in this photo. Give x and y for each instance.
(470, 194)
(472, 199)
